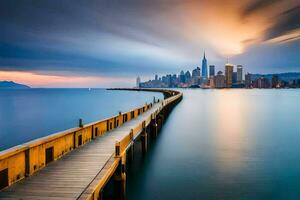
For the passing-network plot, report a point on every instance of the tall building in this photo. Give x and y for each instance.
(228, 74)
(211, 82)
(156, 77)
(211, 70)
(138, 82)
(182, 77)
(219, 80)
(196, 73)
(187, 76)
(196, 76)
(204, 67)
(239, 76)
(248, 81)
(234, 77)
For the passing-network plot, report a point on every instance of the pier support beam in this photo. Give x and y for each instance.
(144, 138)
(120, 178)
(154, 128)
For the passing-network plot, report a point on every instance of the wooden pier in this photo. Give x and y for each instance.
(78, 163)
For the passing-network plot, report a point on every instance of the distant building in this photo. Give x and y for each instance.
(228, 74)
(248, 80)
(275, 81)
(174, 81)
(196, 72)
(138, 82)
(204, 67)
(196, 76)
(239, 76)
(182, 77)
(188, 76)
(211, 82)
(234, 77)
(219, 80)
(261, 82)
(156, 77)
(211, 70)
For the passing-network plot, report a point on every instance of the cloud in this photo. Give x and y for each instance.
(133, 37)
(258, 5)
(287, 24)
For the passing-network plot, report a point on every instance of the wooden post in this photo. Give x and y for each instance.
(80, 123)
(131, 148)
(117, 149)
(93, 133)
(27, 162)
(144, 138)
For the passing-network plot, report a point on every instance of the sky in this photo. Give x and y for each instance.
(108, 43)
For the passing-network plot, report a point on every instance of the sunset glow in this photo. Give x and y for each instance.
(41, 80)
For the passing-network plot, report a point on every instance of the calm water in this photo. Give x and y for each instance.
(224, 144)
(30, 114)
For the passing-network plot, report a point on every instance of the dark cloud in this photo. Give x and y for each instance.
(287, 21)
(258, 5)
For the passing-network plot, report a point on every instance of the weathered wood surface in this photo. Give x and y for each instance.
(71, 176)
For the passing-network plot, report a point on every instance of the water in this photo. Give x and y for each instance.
(224, 144)
(29, 114)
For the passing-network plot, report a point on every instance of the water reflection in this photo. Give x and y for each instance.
(225, 144)
(231, 139)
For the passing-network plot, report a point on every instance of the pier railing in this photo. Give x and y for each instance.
(24, 160)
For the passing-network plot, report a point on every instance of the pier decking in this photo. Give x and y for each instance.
(83, 172)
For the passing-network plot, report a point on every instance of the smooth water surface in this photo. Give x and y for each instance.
(224, 144)
(33, 113)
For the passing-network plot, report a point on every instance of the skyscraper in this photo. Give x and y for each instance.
(196, 72)
(204, 67)
(248, 81)
(196, 76)
(138, 82)
(211, 70)
(182, 77)
(187, 76)
(228, 74)
(239, 74)
(219, 80)
(234, 77)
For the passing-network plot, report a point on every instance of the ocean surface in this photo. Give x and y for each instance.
(32, 113)
(230, 144)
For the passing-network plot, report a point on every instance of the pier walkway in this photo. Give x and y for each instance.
(83, 172)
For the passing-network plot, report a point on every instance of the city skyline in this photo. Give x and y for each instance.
(232, 76)
(107, 43)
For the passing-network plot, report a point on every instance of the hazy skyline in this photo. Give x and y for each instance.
(110, 42)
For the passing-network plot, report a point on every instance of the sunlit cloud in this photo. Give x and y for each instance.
(288, 37)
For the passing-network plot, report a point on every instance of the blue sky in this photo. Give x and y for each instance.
(111, 42)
